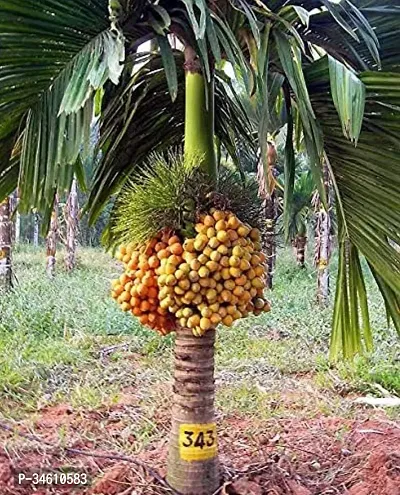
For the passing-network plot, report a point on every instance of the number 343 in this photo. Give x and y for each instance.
(197, 442)
(200, 439)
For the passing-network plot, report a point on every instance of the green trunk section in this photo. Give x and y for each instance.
(199, 122)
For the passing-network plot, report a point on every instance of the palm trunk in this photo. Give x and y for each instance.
(17, 227)
(71, 216)
(5, 245)
(193, 464)
(269, 238)
(14, 213)
(192, 460)
(36, 230)
(266, 191)
(51, 244)
(300, 247)
(323, 245)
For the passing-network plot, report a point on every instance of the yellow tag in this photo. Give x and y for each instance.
(198, 442)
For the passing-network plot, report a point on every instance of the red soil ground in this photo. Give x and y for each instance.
(322, 456)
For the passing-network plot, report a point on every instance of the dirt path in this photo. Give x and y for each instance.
(319, 456)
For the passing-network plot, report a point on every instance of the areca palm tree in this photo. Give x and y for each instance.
(5, 245)
(17, 219)
(71, 214)
(300, 215)
(323, 241)
(266, 190)
(51, 241)
(314, 62)
(36, 229)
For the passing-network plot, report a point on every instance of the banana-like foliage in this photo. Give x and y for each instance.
(327, 70)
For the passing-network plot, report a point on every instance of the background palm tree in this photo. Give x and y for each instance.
(267, 192)
(51, 242)
(312, 62)
(323, 240)
(71, 220)
(5, 245)
(301, 214)
(36, 229)
(16, 220)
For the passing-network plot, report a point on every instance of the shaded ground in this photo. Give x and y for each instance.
(323, 455)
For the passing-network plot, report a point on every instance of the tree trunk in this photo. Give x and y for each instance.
(192, 463)
(14, 212)
(17, 227)
(71, 218)
(323, 252)
(266, 191)
(269, 238)
(51, 244)
(5, 245)
(36, 230)
(300, 247)
(192, 460)
(323, 245)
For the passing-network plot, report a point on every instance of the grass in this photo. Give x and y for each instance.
(54, 336)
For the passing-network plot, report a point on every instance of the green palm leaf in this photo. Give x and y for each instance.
(60, 56)
(348, 94)
(368, 188)
(37, 42)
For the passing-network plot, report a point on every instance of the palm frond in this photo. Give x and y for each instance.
(382, 15)
(367, 183)
(351, 328)
(53, 59)
(348, 94)
(38, 41)
(138, 117)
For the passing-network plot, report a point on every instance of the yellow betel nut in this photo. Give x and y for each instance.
(204, 272)
(205, 323)
(221, 225)
(222, 236)
(233, 222)
(234, 261)
(200, 242)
